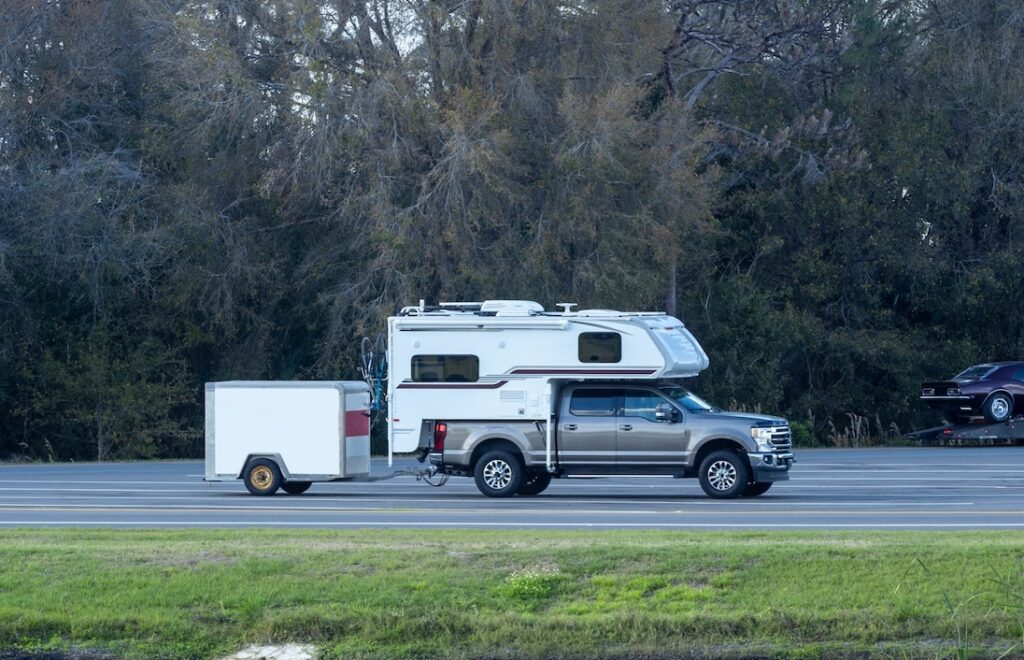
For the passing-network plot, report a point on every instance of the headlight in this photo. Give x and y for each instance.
(762, 435)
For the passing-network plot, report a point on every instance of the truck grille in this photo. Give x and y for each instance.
(782, 438)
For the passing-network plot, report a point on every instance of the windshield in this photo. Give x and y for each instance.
(975, 373)
(686, 398)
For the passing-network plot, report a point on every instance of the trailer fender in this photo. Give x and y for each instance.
(273, 457)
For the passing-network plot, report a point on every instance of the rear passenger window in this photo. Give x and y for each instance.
(445, 368)
(589, 403)
(600, 347)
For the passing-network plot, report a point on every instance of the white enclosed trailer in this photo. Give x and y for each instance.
(281, 434)
(504, 359)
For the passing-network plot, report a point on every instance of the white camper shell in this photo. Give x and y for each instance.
(501, 359)
(309, 431)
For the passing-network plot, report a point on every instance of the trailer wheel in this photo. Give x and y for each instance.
(534, 484)
(262, 476)
(296, 487)
(998, 407)
(498, 474)
(757, 488)
(724, 474)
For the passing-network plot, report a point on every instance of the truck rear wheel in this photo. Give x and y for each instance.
(757, 488)
(296, 487)
(724, 474)
(534, 484)
(498, 474)
(262, 476)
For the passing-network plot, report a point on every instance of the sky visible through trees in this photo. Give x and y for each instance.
(829, 193)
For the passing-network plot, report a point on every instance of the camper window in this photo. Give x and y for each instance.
(600, 347)
(445, 368)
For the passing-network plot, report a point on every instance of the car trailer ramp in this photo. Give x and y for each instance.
(1010, 432)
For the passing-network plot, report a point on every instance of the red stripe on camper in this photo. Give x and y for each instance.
(357, 422)
(585, 372)
(442, 385)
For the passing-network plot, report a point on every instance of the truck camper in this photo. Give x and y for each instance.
(499, 360)
(514, 396)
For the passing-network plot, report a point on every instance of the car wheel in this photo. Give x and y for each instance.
(998, 407)
(296, 487)
(757, 488)
(498, 474)
(262, 477)
(534, 484)
(724, 474)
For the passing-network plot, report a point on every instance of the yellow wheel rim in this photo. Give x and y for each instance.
(261, 477)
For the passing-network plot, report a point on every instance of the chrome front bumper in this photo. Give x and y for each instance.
(771, 466)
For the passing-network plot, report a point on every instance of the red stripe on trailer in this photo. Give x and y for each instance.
(357, 422)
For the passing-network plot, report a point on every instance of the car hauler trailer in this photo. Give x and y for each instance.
(1010, 432)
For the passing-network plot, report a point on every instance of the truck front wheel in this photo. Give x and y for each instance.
(262, 477)
(724, 474)
(498, 474)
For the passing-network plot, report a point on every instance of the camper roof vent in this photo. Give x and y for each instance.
(511, 307)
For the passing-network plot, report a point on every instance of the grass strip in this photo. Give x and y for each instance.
(202, 593)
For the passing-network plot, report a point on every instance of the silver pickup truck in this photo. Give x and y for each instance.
(620, 428)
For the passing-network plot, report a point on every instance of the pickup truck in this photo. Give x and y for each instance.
(619, 428)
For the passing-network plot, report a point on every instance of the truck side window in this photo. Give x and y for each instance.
(590, 403)
(600, 347)
(638, 403)
(445, 368)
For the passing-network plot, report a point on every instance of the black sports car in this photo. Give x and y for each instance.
(994, 390)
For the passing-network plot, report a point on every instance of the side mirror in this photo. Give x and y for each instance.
(664, 412)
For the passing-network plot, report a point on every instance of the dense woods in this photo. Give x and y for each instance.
(830, 193)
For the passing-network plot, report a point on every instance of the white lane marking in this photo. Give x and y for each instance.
(780, 508)
(564, 483)
(293, 503)
(524, 525)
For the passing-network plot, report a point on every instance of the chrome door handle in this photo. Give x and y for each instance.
(570, 427)
(626, 427)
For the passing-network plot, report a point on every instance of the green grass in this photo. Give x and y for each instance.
(513, 594)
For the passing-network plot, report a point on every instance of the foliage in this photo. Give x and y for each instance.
(828, 193)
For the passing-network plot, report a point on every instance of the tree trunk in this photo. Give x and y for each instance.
(671, 289)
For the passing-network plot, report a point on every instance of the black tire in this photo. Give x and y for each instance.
(262, 476)
(998, 408)
(534, 483)
(296, 487)
(757, 488)
(499, 473)
(724, 474)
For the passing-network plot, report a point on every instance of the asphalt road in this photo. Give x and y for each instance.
(906, 488)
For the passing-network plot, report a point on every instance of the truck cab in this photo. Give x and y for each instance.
(612, 428)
